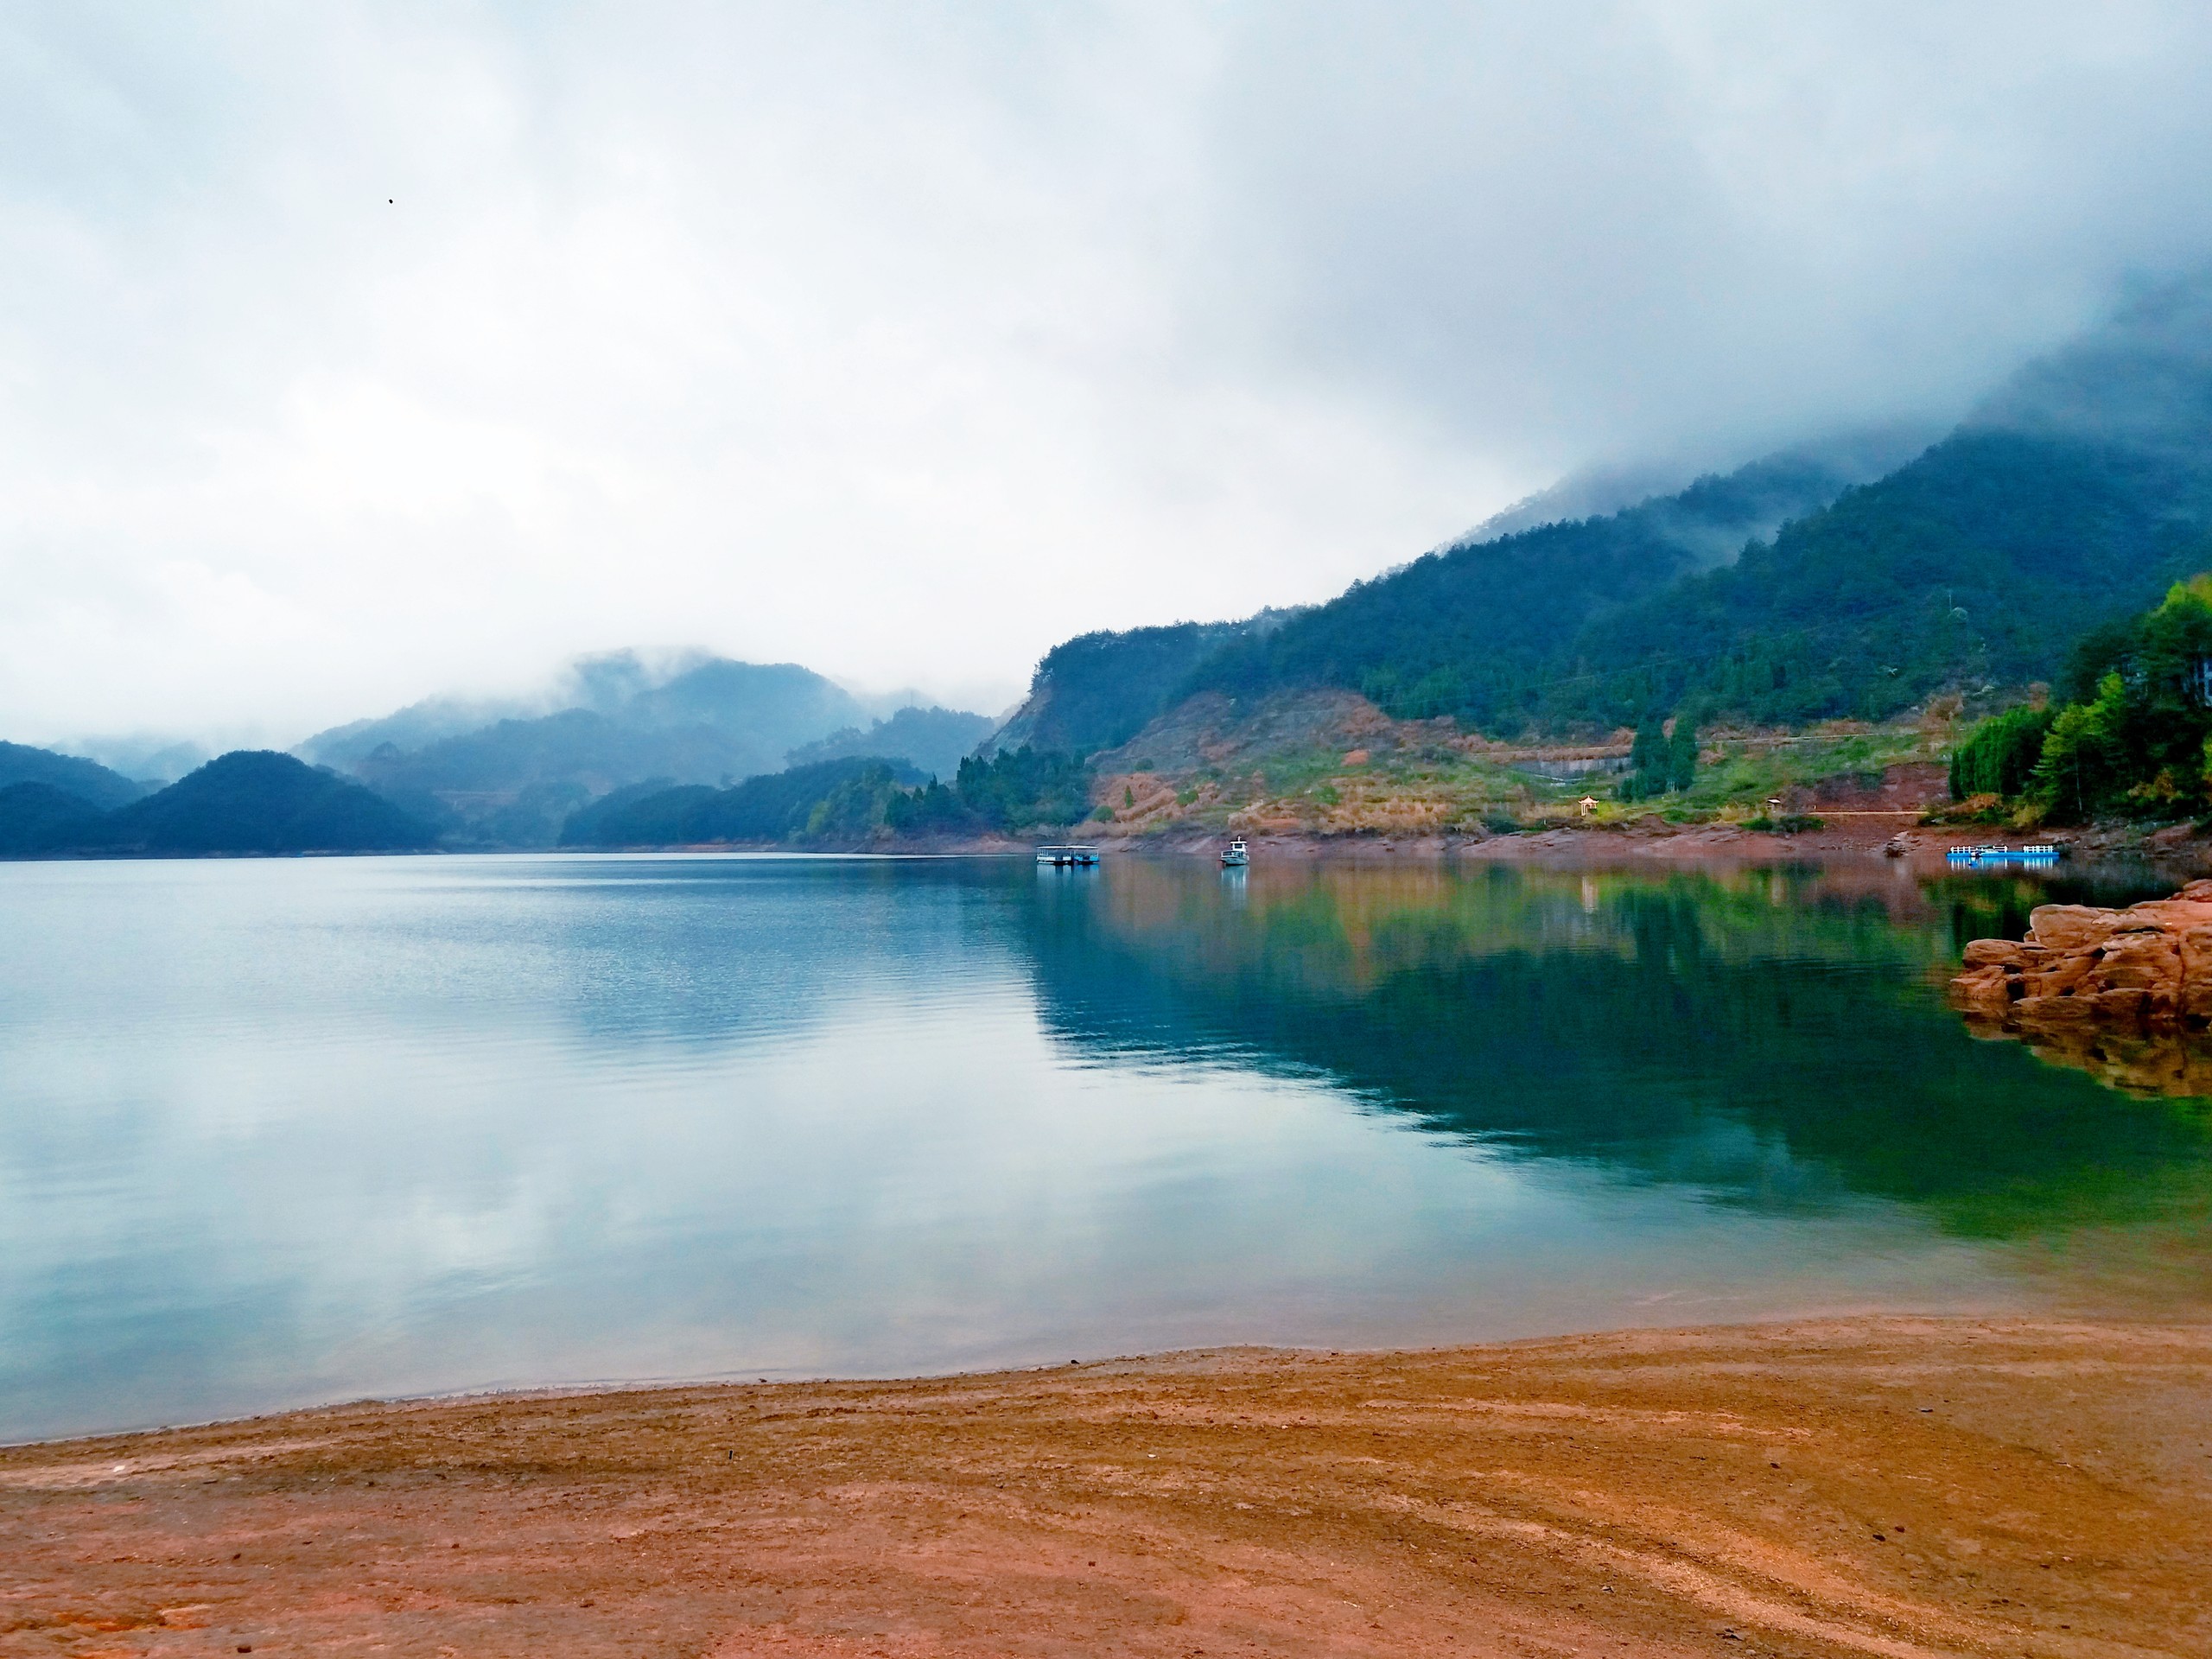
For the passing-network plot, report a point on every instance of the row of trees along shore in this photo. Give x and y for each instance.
(2128, 736)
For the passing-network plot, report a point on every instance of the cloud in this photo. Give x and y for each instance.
(1614, 230)
(356, 354)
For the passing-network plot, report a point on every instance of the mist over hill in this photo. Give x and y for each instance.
(2141, 384)
(153, 760)
(1852, 577)
(631, 690)
(1794, 480)
(512, 772)
(931, 740)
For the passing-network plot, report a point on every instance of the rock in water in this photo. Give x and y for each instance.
(2125, 993)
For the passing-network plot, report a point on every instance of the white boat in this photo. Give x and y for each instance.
(1062, 856)
(1236, 856)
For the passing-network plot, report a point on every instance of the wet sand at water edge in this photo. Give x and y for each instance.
(1887, 1486)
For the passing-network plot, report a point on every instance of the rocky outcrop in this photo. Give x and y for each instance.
(2127, 994)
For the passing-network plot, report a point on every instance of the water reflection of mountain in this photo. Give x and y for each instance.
(1775, 1036)
(707, 952)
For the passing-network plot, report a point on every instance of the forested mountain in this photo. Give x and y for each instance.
(258, 801)
(845, 804)
(2075, 493)
(87, 780)
(841, 800)
(1475, 630)
(1975, 567)
(1098, 690)
(246, 802)
(933, 740)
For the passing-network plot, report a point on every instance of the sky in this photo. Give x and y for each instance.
(350, 354)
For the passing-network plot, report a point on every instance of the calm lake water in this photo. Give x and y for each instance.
(280, 1132)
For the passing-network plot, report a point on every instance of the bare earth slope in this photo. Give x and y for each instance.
(1872, 1486)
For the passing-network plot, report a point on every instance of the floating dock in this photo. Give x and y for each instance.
(1062, 857)
(2035, 853)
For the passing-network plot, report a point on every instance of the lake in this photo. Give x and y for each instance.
(280, 1132)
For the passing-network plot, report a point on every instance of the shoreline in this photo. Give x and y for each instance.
(1875, 1485)
(2173, 849)
(1850, 833)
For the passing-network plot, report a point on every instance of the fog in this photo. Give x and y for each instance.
(350, 355)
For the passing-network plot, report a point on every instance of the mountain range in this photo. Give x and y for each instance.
(464, 773)
(490, 774)
(1856, 577)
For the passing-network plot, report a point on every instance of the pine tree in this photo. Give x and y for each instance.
(1681, 753)
(1649, 761)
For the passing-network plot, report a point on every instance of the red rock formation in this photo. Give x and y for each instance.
(2087, 980)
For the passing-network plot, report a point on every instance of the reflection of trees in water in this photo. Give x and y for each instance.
(1773, 1035)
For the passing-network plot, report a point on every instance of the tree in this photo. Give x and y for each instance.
(1681, 753)
(1650, 766)
(1999, 756)
(2138, 746)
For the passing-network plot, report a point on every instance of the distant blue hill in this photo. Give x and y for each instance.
(247, 802)
(933, 740)
(489, 775)
(85, 779)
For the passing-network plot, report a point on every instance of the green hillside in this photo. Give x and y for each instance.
(1481, 630)
(2073, 496)
(1098, 690)
(844, 803)
(837, 800)
(1976, 565)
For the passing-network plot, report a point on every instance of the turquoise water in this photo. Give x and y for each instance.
(277, 1131)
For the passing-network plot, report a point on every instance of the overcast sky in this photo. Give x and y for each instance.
(351, 354)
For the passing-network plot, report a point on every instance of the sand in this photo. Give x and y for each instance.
(1899, 1487)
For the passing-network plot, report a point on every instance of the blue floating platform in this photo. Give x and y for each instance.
(2036, 852)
